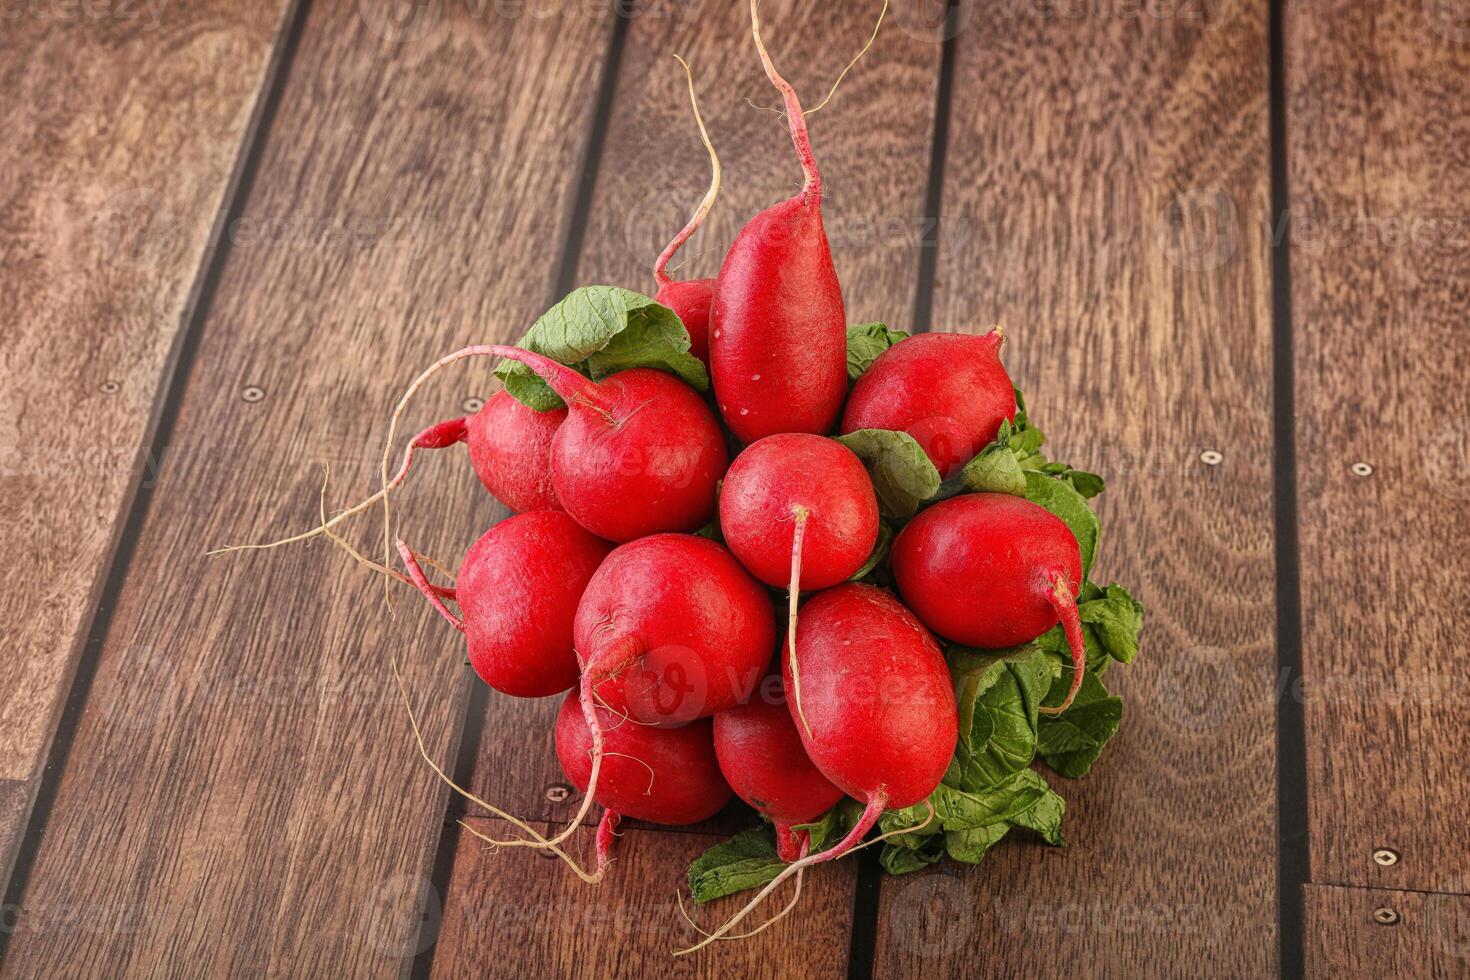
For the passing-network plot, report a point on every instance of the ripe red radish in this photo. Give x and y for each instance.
(691, 299)
(670, 629)
(948, 391)
(778, 329)
(799, 511)
(638, 453)
(518, 608)
(763, 760)
(510, 450)
(993, 571)
(882, 711)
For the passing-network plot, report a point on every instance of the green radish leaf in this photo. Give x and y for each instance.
(1065, 502)
(1116, 618)
(880, 552)
(747, 860)
(833, 825)
(997, 469)
(998, 698)
(1044, 817)
(897, 859)
(902, 474)
(865, 343)
(1071, 741)
(600, 330)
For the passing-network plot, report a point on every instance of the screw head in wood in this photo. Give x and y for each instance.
(558, 793)
(1385, 857)
(1362, 469)
(1386, 916)
(1211, 457)
(253, 393)
(473, 405)
(111, 387)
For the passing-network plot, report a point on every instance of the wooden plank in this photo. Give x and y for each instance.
(523, 917)
(242, 777)
(873, 144)
(1380, 177)
(111, 187)
(1079, 146)
(1374, 932)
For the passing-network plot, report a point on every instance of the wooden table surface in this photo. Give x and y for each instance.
(1230, 243)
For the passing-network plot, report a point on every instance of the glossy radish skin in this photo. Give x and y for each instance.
(691, 300)
(785, 480)
(948, 391)
(764, 762)
(778, 329)
(671, 628)
(667, 776)
(518, 589)
(510, 450)
(877, 694)
(993, 571)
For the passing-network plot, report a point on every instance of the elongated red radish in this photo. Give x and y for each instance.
(639, 452)
(778, 329)
(881, 707)
(691, 298)
(993, 571)
(799, 511)
(764, 762)
(670, 629)
(518, 589)
(949, 391)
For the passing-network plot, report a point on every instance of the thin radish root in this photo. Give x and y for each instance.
(361, 559)
(791, 905)
(536, 839)
(871, 813)
(420, 581)
(1065, 603)
(436, 436)
(856, 58)
(795, 118)
(660, 268)
(798, 538)
(607, 829)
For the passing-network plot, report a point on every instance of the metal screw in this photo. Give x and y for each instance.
(558, 793)
(1362, 469)
(111, 387)
(252, 393)
(1386, 916)
(473, 405)
(1386, 857)
(1211, 458)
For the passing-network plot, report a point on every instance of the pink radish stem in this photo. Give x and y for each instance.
(660, 273)
(1065, 603)
(798, 537)
(606, 829)
(795, 118)
(421, 581)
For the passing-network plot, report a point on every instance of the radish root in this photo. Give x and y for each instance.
(798, 538)
(1065, 603)
(795, 118)
(856, 58)
(795, 898)
(660, 273)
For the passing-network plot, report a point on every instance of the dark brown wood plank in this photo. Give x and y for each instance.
(111, 185)
(1380, 250)
(242, 778)
(1079, 146)
(1374, 932)
(873, 144)
(513, 917)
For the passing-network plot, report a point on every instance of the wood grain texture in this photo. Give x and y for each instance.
(873, 143)
(111, 187)
(510, 914)
(1103, 173)
(242, 795)
(1380, 250)
(1429, 940)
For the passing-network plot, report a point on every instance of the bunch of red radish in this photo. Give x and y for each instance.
(699, 613)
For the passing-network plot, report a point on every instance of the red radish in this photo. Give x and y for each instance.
(763, 760)
(518, 608)
(510, 450)
(691, 299)
(670, 629)
(882, 711)
(778, 340)
(949, 391)
(993, 571)
(799, 511)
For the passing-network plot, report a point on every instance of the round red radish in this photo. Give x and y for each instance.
(877, 695)
(518, 589)
(948, 391)
(993, 571)
(671, 628)
(795, 484)
(763, 760)
(690, 299)
(778, 329)
(667, 776)
(510, 450)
